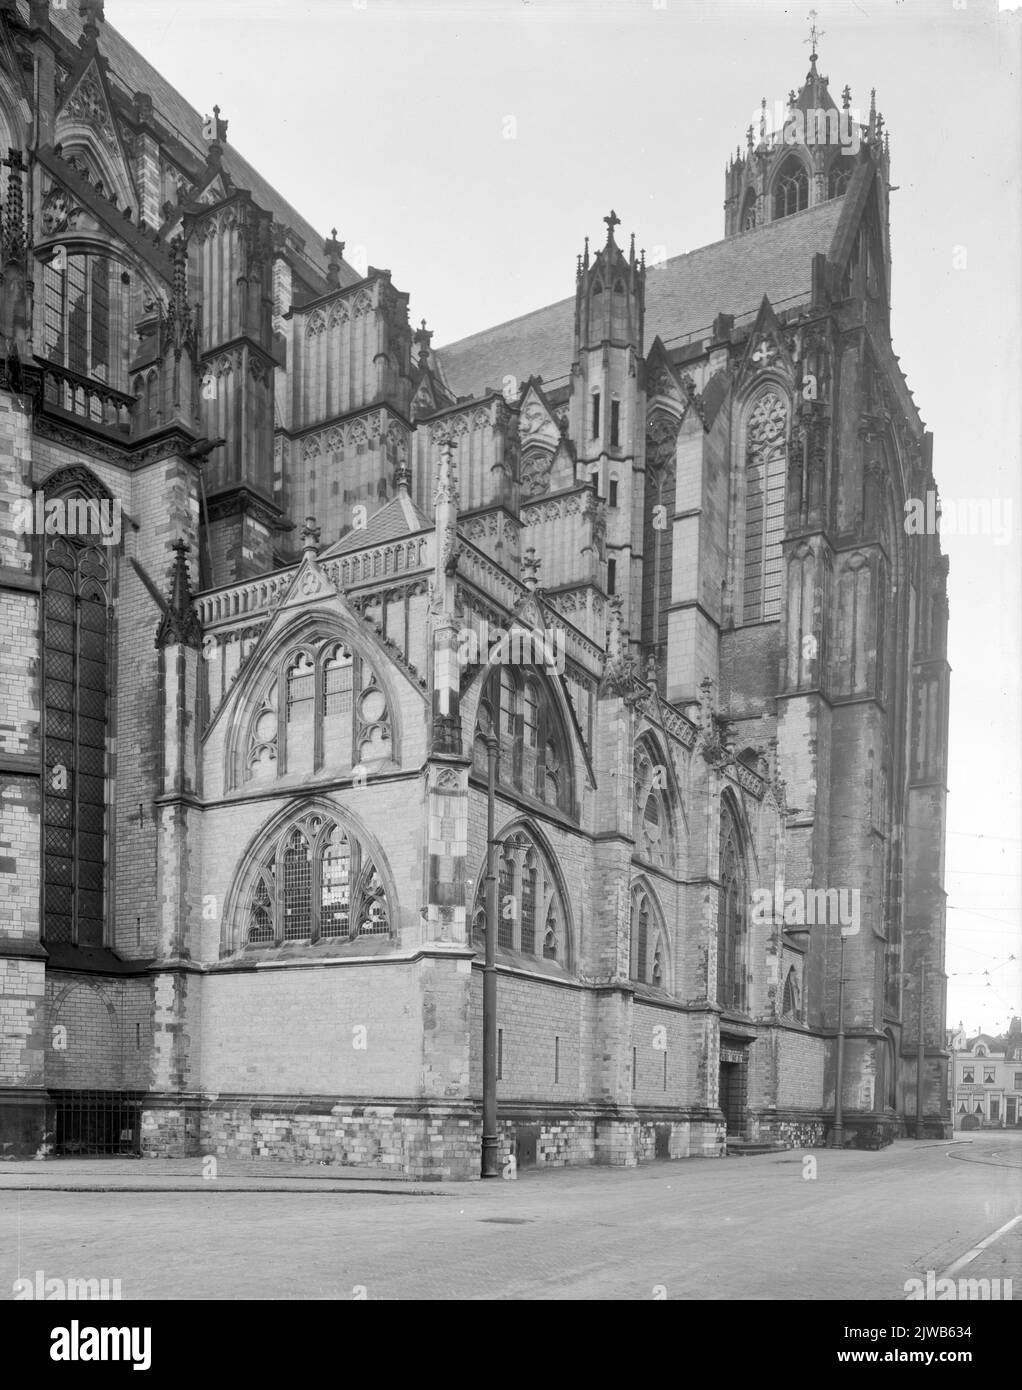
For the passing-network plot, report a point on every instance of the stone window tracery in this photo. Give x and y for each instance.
(315, 881)
(766, 466)
(534, 753)
(324, 708)
(527, 896)
(731, 916)
(77, 619)
(647, 954)
(791, 191)
(654, 836)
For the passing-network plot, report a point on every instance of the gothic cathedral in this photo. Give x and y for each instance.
(277, 575)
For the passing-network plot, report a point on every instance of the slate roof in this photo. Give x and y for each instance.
(683, 296)
(396, 518)
(129, 72)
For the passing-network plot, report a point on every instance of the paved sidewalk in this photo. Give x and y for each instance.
(850, 1225)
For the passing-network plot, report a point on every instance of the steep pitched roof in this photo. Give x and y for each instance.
(398, 517)
(683, 295)
(130, 72)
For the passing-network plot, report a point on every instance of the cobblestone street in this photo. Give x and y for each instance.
(752, 1228)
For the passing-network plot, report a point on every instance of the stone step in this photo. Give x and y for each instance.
(744, 1148)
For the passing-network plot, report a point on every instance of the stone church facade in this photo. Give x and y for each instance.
(272, 566)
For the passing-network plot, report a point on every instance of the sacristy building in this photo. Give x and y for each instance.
(260, 541)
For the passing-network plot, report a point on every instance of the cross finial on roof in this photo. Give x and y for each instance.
(814, 34)
(612, 221)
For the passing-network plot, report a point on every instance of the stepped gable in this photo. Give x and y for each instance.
(684, 294)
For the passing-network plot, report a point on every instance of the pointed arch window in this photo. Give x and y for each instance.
(766, 466)
(85, 323)
(324, 709)
(790, 999)
(654, 836)
(838, 179)
(791, 191)
(647, 953)
(534, 756)
(748, 218)
(731, 921)
(77, 645)
(315, 881)
(528, 897)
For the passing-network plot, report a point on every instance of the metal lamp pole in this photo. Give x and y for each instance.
(920, 1051)
(837, 1134)
(491, 1150)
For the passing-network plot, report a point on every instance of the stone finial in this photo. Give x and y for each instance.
(310, 536)
(333, 250)
(180, 622)
(422, 337)
(530, 569)
(403, 478)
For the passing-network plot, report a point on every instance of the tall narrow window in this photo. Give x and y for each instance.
(731, 916)
(766, 463)
(613, 492)
(615, 423)
(297, 888)
(506, 905)
(611, 577)
(83, 325)
(529, 905)
(76, 643)
(791, 191)
(337, 697)
(301, 691)
(596, 415)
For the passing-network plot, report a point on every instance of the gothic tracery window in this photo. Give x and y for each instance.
(654, 834)
(315, 881)
(76, 657)
(534, 753)
(324, 708)
(85, 320)
(838, 179)
(790, 997)
(791, 191)
(766, 465)
(647, 952)
(731, 919)
(531, 917)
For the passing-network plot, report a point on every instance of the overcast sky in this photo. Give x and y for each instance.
(391, 122)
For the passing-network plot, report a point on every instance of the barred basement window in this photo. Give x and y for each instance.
(766, 464)
(315, 881)
(76, 653)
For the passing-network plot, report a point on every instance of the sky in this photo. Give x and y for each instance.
(470, 146)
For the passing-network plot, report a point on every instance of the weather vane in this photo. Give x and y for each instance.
(814, 34)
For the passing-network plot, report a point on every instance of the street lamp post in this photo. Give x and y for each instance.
(491, 1150)
(837, 1134)
(920, 1051)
